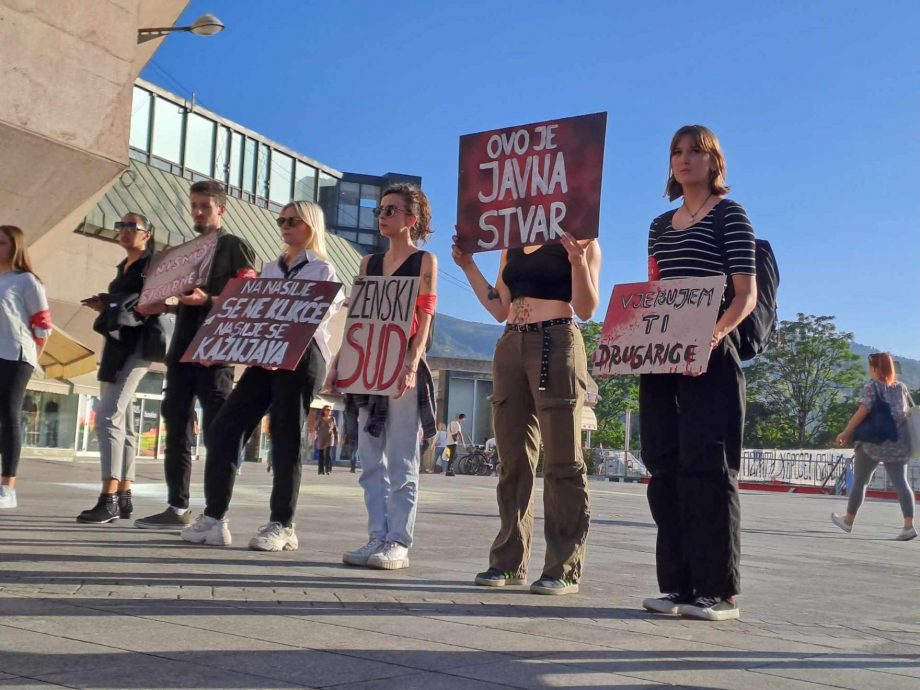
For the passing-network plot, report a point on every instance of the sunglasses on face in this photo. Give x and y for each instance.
(130, 226)
(290, 222)
(388, 211)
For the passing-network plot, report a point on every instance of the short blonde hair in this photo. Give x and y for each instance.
(312, 214)
(708, 143)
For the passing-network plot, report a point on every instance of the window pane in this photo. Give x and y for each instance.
(305, 182)
(249, 165)
(221, 166)
(140, 119)
(327, 195)
(348, 204)
(167, 130)
(370, 196)
(262, 171)
(236, 158)
(282, 170)
(199, 143)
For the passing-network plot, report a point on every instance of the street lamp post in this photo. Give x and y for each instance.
(205, 25)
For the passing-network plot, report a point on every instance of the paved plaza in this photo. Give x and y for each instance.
(116, 607)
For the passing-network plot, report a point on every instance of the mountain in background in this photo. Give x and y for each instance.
(471, 340)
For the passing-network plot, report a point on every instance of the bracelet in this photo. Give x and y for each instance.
(410, 368)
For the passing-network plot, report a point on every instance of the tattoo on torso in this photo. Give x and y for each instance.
(520, 311)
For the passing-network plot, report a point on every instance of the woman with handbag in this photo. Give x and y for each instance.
(25, 324)
(126, 358)
(875, 445)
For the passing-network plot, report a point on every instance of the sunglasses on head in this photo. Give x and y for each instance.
(290, 222)
(127, 225)
(388, 211)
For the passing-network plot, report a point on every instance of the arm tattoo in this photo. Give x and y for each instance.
(426, 279)
(492, 293)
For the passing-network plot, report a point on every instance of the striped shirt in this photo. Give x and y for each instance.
(695, 252)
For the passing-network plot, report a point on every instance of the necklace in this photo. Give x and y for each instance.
(693, 215)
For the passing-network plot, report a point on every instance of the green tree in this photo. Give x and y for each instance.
(801, 387)
(616, 395)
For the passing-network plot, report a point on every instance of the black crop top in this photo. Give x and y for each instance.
(544, 274)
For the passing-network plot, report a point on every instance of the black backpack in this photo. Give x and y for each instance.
(752, 335)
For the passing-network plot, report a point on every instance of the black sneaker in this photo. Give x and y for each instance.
(493, 577)
(125, 506)
(710, 609)
(668, 603)
(168, 521)
(105, 510)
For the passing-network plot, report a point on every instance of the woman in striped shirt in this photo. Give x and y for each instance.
(692, 426)
(25, 324)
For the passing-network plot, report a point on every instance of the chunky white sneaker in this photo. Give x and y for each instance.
(393, 556)
(906, 534)
(7, 497)
(208, 530)
(841, 522)
(274, 537)
(360, 556)
(710, 609)
(669, 603)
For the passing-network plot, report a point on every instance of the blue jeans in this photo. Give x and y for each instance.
(389, 471)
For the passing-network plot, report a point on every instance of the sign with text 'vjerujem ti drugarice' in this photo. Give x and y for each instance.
(659, 327)
(525, 185)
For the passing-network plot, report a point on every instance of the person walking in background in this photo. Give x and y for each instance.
(284, 394)
(691, 426)
(25, 326)
(186, 381)
(440, 445)
(540, 374)
(895, 455)
(327, 437)
(388, 447)
(126, 358)
(455, 439)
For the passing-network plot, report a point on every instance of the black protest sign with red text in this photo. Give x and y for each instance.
(524, 185)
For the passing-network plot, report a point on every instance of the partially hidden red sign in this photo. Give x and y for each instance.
(263, 322)
(179, 269)
(659, 327)
(524, 185)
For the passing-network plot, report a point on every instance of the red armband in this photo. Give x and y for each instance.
(427, 303)
(654, 273)
(40, 324)
(247, 273)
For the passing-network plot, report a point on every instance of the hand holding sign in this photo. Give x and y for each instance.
(178, 270)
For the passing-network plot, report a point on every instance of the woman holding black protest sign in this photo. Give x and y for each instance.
(131, 344)
(540, 378)
(692, 426)
(388, 446)
(281, 393)
(883, 390)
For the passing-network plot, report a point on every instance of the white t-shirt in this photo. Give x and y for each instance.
(441, 439)
(456, 432)
(22, 299)
(490, 445)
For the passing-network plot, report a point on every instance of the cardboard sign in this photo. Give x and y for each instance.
(178, 270)
(659, 327)
(376, 334)
(263, 322)
(524, 185)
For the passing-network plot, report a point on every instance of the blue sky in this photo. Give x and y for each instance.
(817, 106)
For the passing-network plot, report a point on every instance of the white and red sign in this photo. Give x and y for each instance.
(376, 334)
(659, 327)
(179, 270)
(264, 322)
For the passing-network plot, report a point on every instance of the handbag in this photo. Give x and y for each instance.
(879, 426)
(913, 429)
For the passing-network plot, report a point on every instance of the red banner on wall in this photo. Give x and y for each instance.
(524, 185)
(263, 322)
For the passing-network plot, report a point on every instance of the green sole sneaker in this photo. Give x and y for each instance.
(554, 587)
(498, 578)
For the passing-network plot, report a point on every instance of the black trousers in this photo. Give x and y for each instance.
(284, 395)
(692, 430)
(185, 382)
(14, 375)
(325, 460)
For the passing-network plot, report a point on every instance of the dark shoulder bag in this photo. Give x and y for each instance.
(879, 426)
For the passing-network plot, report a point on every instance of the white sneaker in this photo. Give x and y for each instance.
(393, 556)
(905, 534)
(360, 556)
(274, 537)
(7, 497)
(208, 530)
(841, 523)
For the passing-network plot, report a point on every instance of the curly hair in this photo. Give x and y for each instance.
(418, 205)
